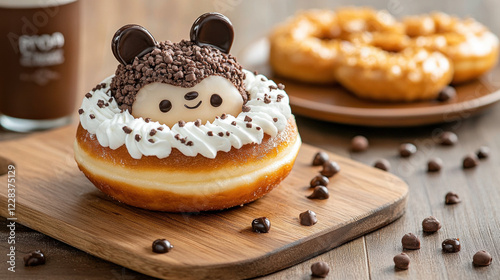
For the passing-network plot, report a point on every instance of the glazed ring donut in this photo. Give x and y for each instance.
(472, 48)
(306, 48)
(408, 75)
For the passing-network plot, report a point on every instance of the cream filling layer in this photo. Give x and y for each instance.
(187, 183)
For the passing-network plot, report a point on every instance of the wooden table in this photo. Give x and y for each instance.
(476, 220)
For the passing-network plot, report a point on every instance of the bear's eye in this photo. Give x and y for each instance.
(165, 105)
(215, 100)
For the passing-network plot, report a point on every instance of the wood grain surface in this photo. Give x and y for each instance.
(476, 221)
(59, 201)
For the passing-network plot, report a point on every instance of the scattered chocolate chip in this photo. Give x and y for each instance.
(308, 218)
(223, 116)
(92, 116)
(245, 108)
(481, 258)
(147, 120)
(138, 137)
(382, 164)
(434, 165)
(448, 138)
(220, 134)
(197, 123)
(320, 158)
(210, 133)
(446, 94)
(247, 119)
(470, 161)
(34, 258)
(258, 128)
(249, 125)
(410, 242)
(127, 129)
(160, 128)
(189, 143)
(401, 261)
(152, 132)
(483, 152)
(177, 137)
(151, 140)
(451, 245)
(320, 269)
(161, 246)
(80, 111)
(407, 149)
(281, 86)
(261, 225)
(359, 143)
(452, 198)
(319, 180)
(88, 95)
(233, 123)
(320, 192)
(181, 123)
(267, 100)
(431, 224)
(330, 168)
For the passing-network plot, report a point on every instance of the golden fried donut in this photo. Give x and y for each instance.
(182, 127)
(408, 75)
(306, 47)
(181, 183)
(472, 48)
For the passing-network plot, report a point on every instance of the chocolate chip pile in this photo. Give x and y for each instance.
(181, 64)
(430, 225)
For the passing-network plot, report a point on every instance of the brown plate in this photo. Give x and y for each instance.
(336, 104)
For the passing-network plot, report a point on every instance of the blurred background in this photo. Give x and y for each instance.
(252, 19)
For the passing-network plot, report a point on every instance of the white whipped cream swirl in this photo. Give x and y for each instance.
(269, 114)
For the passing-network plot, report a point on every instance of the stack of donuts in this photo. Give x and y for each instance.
(377, 57)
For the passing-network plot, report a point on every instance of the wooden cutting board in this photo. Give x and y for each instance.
(55, 198)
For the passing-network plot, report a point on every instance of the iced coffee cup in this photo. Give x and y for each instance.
(39, 52)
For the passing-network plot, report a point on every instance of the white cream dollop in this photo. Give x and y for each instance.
(269, 114)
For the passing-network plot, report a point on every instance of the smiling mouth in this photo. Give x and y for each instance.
(194, 107)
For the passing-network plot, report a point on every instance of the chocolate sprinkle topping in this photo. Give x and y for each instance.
(249, 125)
(100, 103)
(151, 140)
(189, 143)
(210, 133)
(80, 111)
(152, 132)
(92, 116)
(197, 122)
(181, 123)
(245, 108)
(248, 119)
(88, 95)
(127, 129)
(138, 137)
(160, 128)
(281, 86)
(181, 64)
(221, 134)
(233, 123)
(275, 119)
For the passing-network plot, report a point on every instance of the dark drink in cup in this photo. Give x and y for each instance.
(39, 54)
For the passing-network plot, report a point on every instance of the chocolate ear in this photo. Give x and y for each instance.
(213, 29)
(130, 41)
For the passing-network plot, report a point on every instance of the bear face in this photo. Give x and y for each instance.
(186, 81)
